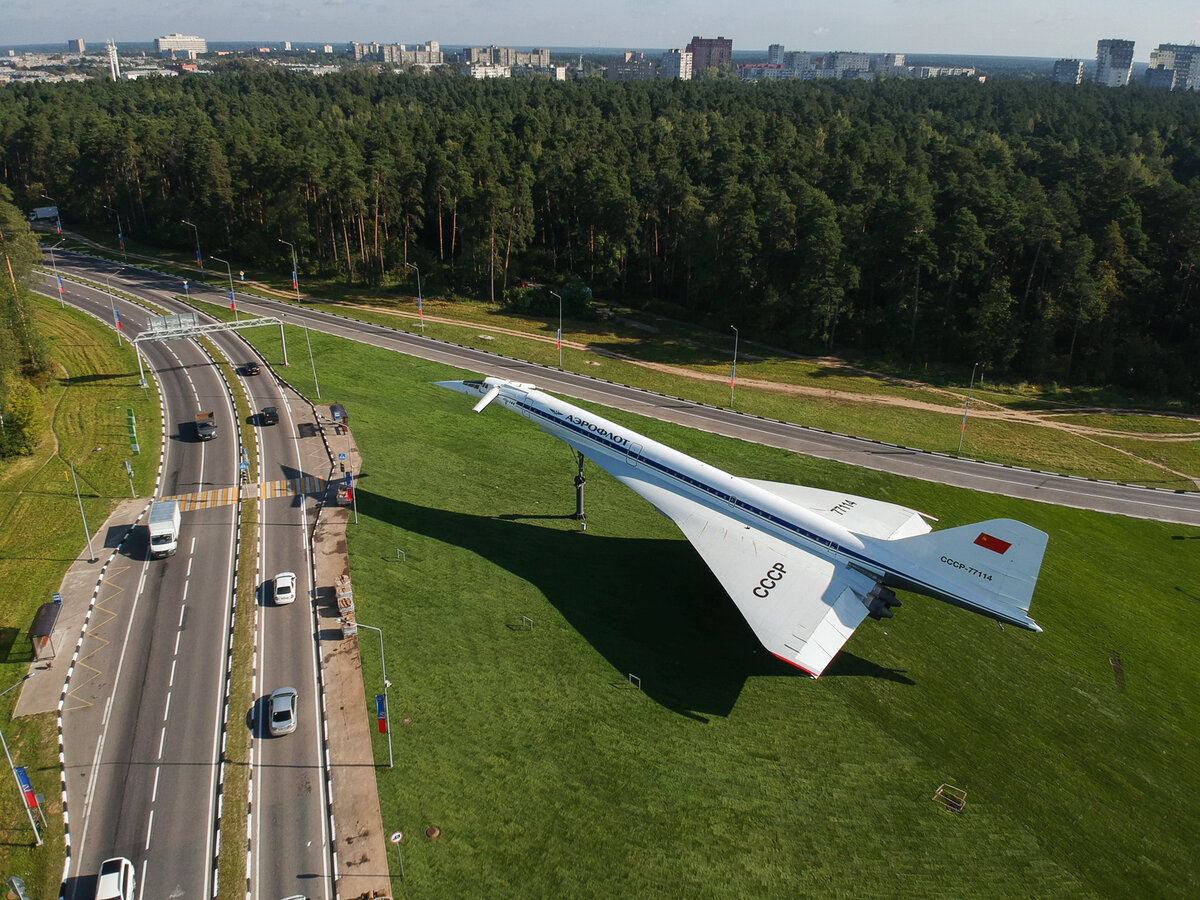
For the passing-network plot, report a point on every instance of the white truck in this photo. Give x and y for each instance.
(42, 213)
(164, 528)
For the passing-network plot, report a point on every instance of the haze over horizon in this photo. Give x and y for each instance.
(1056, 28)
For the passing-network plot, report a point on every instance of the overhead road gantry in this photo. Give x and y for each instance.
(180, 326)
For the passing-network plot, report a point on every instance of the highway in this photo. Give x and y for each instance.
(1101, 496)
(143, 735)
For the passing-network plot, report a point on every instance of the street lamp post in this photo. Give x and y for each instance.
(558, 337)
(232, 305)
(112, 302)
(733, 368)
(16, 780)
(387, 715)
(199, 259)
(57, 277)
(120, 232)
(420, 312)
(963, 428)
(311, 361)
(295, 271)
(79, 500)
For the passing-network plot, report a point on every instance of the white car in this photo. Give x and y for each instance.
(285, 588)
(116, 881)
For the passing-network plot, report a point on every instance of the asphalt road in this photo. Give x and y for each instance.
(1129, 500)
(143, 738)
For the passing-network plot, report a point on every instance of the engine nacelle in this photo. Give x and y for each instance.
(880, 602)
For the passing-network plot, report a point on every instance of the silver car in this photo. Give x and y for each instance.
(281, 711)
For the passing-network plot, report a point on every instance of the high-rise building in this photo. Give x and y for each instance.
(676, 64)
(1114, 62)
(1183, 60)
(710, 52)
(180, 42)
(114, 65)
(1068, 71)
(775, 55)
(75, 45)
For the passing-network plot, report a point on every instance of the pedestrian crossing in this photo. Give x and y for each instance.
(265, 490)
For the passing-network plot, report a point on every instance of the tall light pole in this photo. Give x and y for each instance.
(733, 368)
(57, 277)
(120, 232)
(112, 302)
(229, 272)
(16, 780)
(199, 260)
(386, 684)
(963, 428)
(57, 214)
(311, 361)
(79, 500)
(420, 312)
(295, 278)
(558, 337)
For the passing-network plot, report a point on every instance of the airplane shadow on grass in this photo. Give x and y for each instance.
(650, 607)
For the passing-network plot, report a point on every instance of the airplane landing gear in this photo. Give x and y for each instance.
(580, 516)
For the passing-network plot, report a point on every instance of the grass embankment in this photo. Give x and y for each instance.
(93, 383)
(730, 774)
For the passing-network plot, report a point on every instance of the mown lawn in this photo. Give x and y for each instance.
(92, 385)
(728, 773)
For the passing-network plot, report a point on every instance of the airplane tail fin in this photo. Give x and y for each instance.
(989, 567)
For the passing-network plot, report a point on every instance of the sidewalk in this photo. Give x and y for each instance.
(359, 839)
(80, 586)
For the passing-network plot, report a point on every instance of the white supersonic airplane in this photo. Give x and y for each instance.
(804, 566)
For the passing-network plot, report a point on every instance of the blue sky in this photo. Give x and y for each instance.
(1049, 28)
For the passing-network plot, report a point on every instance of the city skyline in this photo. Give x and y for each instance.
(1059, 28)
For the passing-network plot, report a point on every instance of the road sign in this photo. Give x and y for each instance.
(26, 787)
(397, 837)
(341, 457)
(243, 465)
(348, 480)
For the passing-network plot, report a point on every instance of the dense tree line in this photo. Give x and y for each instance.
(1051, 232)
(23, 358)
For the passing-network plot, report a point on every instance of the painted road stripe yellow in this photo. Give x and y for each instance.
(266, 490)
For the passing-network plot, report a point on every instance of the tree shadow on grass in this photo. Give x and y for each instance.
(650, 607)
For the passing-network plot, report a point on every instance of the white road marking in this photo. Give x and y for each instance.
(167, 708)
(154, 793)
(149, 829)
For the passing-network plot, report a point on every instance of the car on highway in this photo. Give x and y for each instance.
(269, 415)
(281, 711)
(250, 368)
(116, 880)
(285, 588)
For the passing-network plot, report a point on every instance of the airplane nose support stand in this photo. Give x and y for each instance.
(580, 481)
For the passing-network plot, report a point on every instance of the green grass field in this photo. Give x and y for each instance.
(729, 773)
(85, 400)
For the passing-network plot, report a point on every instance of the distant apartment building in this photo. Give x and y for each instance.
(1068, 71)
(506, 56)
(710, 52)
(634, 67)
(1114, 62)
(327, 48)
(479, 70)
(1175, 67)
(180, 43)
(842, 64)
(676, 64)
(76, 45)
(427, 54)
